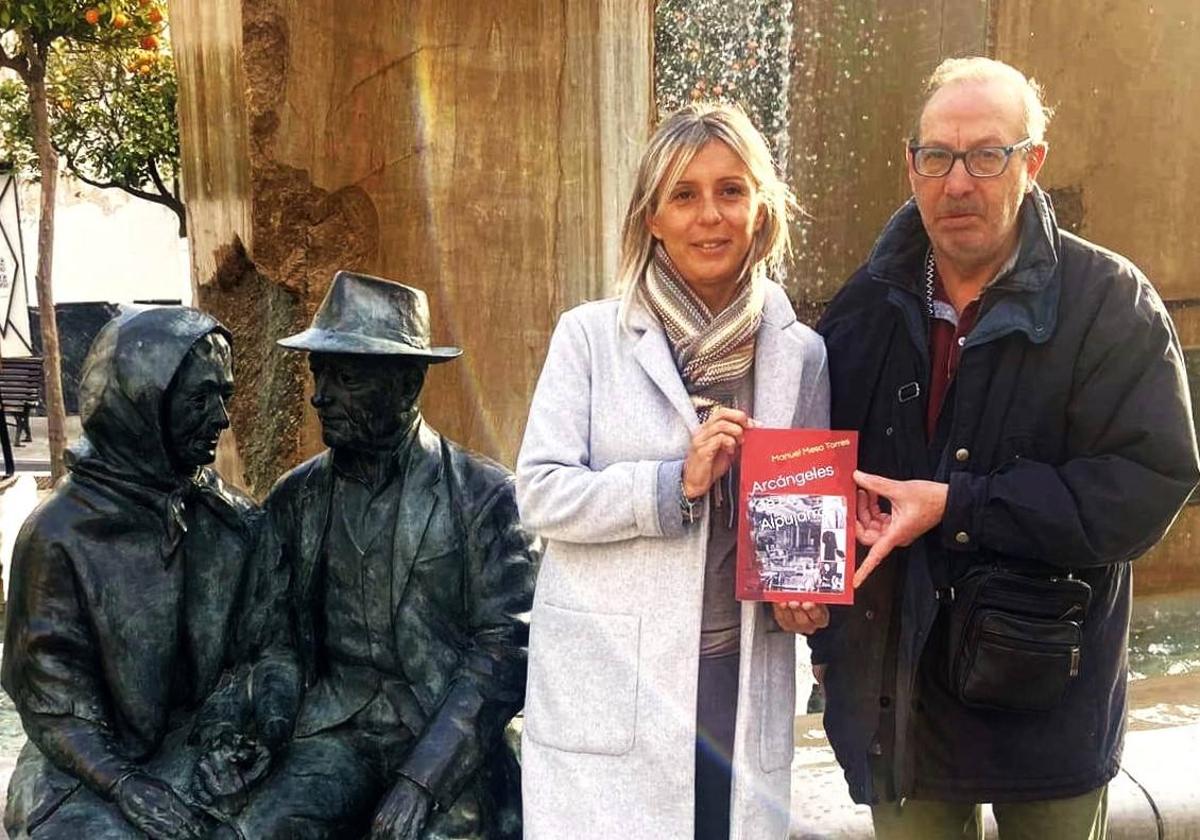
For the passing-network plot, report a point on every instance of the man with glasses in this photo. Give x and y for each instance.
(1025, 433)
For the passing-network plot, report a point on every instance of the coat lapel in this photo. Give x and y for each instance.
(653, 353)
(418, 498)
(315, 500)
(778, 368)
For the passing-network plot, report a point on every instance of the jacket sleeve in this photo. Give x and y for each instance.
(51, 666)
(561, 496)
(812, 409)
(1132, 452)
(813, 413)
(488, 688)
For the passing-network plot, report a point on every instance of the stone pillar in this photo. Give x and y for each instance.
(482, 152)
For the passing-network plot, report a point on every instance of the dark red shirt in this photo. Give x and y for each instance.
(948, 332)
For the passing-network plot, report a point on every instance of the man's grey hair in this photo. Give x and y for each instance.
(976, 68)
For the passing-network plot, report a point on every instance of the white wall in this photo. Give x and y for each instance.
(108, 246)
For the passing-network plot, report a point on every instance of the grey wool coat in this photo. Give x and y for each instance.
(610, 711)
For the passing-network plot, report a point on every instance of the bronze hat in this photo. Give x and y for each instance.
(371, 316)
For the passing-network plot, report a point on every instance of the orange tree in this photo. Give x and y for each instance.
(112, 120)
(30, 30)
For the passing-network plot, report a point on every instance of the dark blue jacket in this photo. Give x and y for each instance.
(1067, 442)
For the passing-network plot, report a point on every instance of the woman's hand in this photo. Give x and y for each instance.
(801, 617)
(713, 448)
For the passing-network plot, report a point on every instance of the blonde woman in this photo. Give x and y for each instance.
(657, 705)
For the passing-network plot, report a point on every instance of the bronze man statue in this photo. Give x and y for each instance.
(410, 582)
(125, 586)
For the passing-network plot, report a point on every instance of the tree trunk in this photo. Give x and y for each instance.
(56, 414)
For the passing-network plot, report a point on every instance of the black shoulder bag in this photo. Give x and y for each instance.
(1014, 638)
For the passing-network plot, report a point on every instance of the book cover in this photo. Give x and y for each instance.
(796, 527)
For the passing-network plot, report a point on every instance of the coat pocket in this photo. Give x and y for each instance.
(583, 680)
(776, 743)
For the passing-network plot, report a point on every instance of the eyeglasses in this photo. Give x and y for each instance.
(981, 162)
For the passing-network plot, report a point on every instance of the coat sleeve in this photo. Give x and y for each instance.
(812, 408)
(1132, 448)
(561, 495)
(488, 688)
(52, 668)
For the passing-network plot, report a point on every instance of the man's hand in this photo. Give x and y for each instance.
(917, 506)
(713, 448)
(152, 806)
(230, 766)
(801, 617)
(403, 813)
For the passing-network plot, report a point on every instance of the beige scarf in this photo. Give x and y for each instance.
(712, 352)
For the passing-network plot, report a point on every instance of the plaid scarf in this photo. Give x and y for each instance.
(712, 352)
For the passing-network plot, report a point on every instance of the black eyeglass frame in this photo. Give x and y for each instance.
(1020, 146)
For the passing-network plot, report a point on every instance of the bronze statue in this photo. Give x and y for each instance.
(125, 589)
(400, 561)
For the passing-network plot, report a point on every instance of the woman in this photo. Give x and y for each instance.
(649, 685)
(124, 589)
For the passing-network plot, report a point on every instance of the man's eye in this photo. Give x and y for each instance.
(988, 154)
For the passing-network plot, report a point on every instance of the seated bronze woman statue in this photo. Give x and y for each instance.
(125, 585)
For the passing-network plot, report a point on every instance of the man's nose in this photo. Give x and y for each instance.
(958, 181)
(221, 417)
(318, 399)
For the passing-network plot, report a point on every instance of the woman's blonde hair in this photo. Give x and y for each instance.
(676, 141)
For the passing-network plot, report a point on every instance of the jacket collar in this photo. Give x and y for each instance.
(423, 472)
(1024, 299)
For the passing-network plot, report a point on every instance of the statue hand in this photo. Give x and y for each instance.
(403, 813)
(153, 807)
(230, 766)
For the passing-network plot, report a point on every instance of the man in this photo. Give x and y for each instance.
(125, 587)
(410, 586)
(1025, 427)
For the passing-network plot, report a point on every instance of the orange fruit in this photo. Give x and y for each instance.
(149, 43)
(92, 16)
(155, 15)
(120, 20)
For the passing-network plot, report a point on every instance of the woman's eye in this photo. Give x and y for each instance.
(681, 195)
(735, 190)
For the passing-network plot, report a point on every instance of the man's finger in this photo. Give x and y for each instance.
(862, 510)
(876, 484)
(878, 553)
(818, 614)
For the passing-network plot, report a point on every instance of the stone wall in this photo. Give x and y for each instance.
(480, 151)
(1123, 160)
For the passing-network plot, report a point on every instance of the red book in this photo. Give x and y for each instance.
(796, 520)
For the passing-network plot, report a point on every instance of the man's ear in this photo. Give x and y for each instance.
(1035, 159)
(412, 380)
